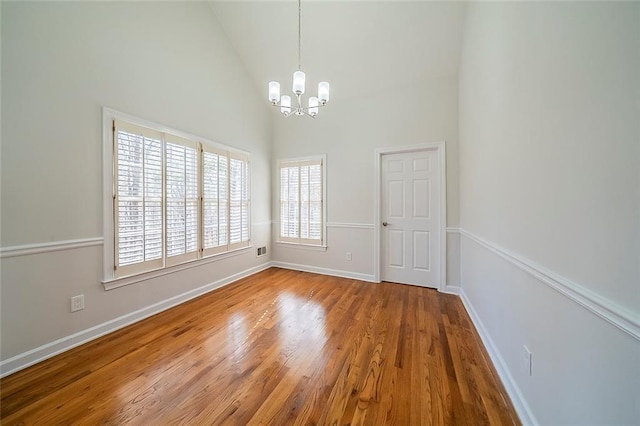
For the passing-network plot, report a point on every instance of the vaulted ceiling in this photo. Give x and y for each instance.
(359, 46)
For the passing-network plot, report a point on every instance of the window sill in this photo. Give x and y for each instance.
(312, 247)
(111, 284)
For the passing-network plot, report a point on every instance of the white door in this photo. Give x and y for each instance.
(410, 252)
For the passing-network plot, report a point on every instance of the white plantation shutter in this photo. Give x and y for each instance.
(311, 202)
(214, 200)
(181, 174)
(301, 201)
(289, 202)
(225, 201)
(137, 199)
(238, 201)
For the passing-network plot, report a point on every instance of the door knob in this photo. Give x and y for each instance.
(385, 223)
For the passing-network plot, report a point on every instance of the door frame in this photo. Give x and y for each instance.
(440, 148)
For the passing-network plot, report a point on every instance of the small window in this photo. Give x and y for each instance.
(302, 210)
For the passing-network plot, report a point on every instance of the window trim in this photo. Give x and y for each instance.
(303, 243)
(109, 277)
(155, 273)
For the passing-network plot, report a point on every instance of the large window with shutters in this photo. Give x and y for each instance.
(175, 199)
(302, 206)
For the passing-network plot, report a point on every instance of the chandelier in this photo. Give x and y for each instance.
(284, 101)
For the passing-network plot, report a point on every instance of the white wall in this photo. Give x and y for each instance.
(550, 187)
(549, 176)
(61, 63)
(348, 131)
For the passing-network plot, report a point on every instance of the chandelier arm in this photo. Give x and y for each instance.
(306, 108)
(300, 106)
(305, 112)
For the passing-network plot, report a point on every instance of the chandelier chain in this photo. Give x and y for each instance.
(299, 32)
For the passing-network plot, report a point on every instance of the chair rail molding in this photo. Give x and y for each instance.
(350, 225)
(625, 320)
(37, 248)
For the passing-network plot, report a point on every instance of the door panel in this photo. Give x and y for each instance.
(410, 241)
(421, 250)
(421, 164)
(396, 248)
(420, 202)
(396, 199)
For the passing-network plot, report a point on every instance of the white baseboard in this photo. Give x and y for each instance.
(325, 271)
(519, 403)
(49, 350)
(451, 289)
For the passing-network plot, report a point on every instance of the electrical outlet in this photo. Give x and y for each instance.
(527, 360)
(77, 303)
(348, 255)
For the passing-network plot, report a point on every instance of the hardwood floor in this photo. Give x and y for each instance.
(279, 347)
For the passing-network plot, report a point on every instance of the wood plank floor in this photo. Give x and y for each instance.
(279, 347)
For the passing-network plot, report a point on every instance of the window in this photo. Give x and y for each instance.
(302, 209)
(174, 199)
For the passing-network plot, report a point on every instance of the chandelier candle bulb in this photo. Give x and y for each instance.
(323, 92)
(274, 92)
(313, 106)
(298, 82)
(285, 104)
